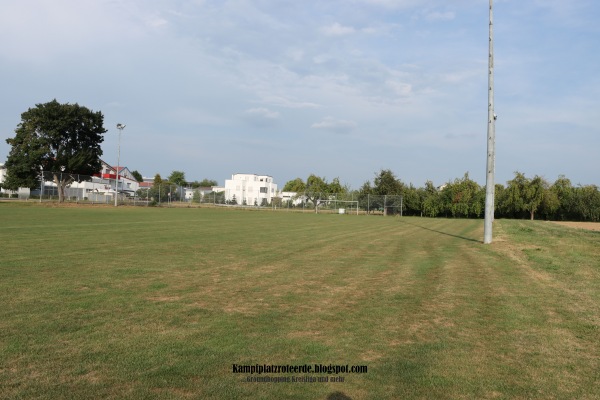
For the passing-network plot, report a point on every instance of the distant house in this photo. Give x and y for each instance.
(291, 197)
(97, 187)
(250, 189)
(101, 186)
(128, 184)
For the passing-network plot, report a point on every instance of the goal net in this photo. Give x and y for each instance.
(339, 206)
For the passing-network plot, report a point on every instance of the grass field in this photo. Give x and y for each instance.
(157, 303)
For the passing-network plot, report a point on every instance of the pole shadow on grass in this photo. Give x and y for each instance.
(338, 396)
(443, 233)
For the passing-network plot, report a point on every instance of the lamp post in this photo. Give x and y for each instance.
(120, 127)
(41, 182)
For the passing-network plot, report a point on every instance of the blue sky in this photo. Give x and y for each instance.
(335, 88)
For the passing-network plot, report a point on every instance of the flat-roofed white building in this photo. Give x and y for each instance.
(250, 189)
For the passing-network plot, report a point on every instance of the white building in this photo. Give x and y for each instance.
(2, 179)
(101, 185)
(250, 189)
(291, 197)
(2, 175)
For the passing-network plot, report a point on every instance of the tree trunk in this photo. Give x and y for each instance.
(59, 187)
(532, 212)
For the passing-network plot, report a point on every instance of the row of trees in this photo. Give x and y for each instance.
(171, 189)
(178, 178)
(64, 140)
(522, 197)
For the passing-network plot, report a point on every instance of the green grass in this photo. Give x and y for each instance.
(157, 303)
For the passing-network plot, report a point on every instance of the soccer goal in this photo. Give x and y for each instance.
(339, 206)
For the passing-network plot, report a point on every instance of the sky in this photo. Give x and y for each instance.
(335, 88)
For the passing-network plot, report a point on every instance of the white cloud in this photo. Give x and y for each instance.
(337, 30)
(394, 3)
(400, 88)
(262, 113)
(295, 54)
(155, 21)
(440, 16)
(335, 125)
(287, 102)
(225, 70)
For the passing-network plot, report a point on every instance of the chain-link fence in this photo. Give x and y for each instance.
(345, 202)
(64, 187)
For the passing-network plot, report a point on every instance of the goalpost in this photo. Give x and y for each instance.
(340, 206)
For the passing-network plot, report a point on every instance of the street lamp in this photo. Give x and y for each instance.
(41, 182)
(120, 127)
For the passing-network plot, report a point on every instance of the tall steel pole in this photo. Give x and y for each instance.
(491, 141)
(120, 127)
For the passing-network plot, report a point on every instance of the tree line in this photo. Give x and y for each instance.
(521, 197)
(64, 140)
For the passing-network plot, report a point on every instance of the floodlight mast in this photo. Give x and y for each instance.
(120, 127)
(491, 142)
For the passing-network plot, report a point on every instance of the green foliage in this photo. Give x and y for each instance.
(297, 185)
(177, 177)
(138, 177)
(335, 187)
(464, 198)
(63, 139)
(197, 196)
(432, 202)
(160, 190)
(587, 202)
(204, 183)
(525, 195)
(565, 193)
(386, 183)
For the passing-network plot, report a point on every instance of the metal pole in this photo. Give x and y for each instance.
(401, 204)
(491, 140)
(120, 127)
(42, 186)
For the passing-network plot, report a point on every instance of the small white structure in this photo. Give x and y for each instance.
(21, 193)
(291, 198)
(250, 189)
(3, 178)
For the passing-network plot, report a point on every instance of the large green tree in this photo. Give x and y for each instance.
(463, 197)
(565, 192)
(296, 185)
(524, 194)
(160, 189)
(386, 184)
(316, 190)
(177, 177)
(432, 201)
(587, 202)
(60, 139)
